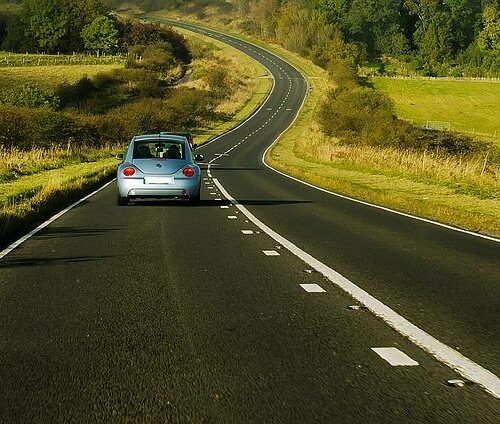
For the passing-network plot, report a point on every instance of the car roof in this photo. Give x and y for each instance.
(162, 136)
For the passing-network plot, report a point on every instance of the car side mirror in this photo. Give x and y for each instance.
(120, 156)
(199, 158)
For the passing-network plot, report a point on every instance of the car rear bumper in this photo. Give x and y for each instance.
(136, 188)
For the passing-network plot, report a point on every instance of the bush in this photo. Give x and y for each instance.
(218, 80)
(139, 34)
(343, 73)
(71, 93)
(25, 128)
(364, 116)
(29, 95)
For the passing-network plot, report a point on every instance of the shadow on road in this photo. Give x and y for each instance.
(60, 232)
(44, 261)
(221, 168)
(217, 203)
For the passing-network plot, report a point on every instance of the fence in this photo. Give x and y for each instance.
(19, 60)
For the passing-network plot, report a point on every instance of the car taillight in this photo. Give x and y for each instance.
(188, 172)
(128, 172)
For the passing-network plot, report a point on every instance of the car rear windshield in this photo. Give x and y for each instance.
(159, 149)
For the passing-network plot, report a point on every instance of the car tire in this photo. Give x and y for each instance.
(196, 199)
(122, 201)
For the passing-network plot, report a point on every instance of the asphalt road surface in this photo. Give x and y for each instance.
(161, 312)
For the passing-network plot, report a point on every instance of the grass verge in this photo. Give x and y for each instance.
(420, 187)
(30, 199)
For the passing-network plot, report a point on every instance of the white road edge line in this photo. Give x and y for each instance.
(443, 353)
(17, 243)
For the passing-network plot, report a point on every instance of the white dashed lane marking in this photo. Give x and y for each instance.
(232, 217)
(270, 253)
(395, 357)
(247, 232)
(313, 288)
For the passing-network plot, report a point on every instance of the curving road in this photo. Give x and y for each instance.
(167, 313)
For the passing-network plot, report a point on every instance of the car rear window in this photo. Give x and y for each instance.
(159, 149)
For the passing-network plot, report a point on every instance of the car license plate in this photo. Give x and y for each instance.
(158, 180)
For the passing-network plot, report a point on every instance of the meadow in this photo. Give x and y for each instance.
(472, 107)
(50, 77)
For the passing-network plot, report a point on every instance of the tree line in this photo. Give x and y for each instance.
(432, 37)
(67, 26)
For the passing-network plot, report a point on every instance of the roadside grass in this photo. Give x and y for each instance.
(250, 85)
(50, 77)
(457, 191)
(472, 107)
(18, 163)
(39, 195)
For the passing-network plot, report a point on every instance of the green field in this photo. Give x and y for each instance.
(469, 106)
(49, 77)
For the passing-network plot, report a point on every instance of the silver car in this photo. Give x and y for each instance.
(159, 166)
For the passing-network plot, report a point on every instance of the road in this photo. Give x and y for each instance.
(160, 312)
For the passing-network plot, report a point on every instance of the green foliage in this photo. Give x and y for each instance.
(101, 35)
(29, 95)
(219, 82)
(139, 34)
(364, 116)
(45, 22)
(157, 57)
(489, 38)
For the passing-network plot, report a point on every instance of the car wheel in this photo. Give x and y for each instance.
(196, 199)
(122, 201)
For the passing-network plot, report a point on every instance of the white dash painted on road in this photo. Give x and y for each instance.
(270, 253)
(213, 194)
(395, 357)
(224, 207)
(247, 232)
(232, 217)
(313, 288)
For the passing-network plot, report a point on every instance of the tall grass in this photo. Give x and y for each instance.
(469, 174)
(22, 211)
(15, 163)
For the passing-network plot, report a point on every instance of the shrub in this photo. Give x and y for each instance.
(134, 33)
(364, 116)
(29, 95)
(218, 80)
(71, 93)
(343, 73)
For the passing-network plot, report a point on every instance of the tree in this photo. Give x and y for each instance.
(80, 13)
(101, 35)
(434, 31)
(489, 37)
(45, 22)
